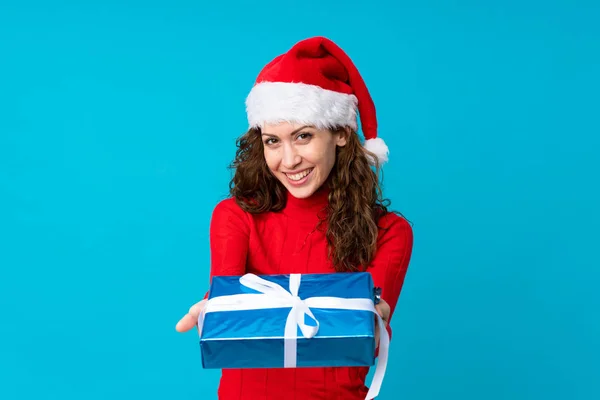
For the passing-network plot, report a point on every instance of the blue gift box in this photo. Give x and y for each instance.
(233, 335)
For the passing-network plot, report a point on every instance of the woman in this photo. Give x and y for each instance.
(305, 199)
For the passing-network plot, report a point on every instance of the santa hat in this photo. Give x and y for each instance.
(315, 83)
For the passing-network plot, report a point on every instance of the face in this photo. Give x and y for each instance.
(301, 157)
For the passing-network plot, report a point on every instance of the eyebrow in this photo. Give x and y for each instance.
(291, 133)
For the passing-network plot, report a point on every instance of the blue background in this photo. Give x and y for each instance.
(117, 123)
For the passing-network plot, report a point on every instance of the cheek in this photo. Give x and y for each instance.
(325, 157)
(316, 154)
(271, 158)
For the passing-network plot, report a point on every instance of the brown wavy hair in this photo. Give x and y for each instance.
(355, 197)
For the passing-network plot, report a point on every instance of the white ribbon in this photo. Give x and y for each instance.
(272, 295)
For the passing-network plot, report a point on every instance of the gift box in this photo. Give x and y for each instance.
(275, 321)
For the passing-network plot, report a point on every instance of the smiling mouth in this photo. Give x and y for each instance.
(299, 175)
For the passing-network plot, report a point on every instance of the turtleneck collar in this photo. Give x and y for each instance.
(310, 208)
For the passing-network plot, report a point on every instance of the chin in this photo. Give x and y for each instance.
(301, 192)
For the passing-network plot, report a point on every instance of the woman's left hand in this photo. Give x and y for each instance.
(383, 309)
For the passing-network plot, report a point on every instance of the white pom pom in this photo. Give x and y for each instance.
(378, 147)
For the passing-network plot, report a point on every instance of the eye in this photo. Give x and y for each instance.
(270, 141)
(304, 136)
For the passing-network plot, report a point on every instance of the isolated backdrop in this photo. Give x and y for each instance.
(117, 123)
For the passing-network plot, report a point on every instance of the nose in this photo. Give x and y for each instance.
(291, 158)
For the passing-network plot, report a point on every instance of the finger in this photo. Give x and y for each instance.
(191, 318)
(383, 309)
(186, 323)
(196, 309)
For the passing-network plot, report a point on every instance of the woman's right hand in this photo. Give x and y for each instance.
(189, 320)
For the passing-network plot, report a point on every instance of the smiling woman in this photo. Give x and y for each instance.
(305, 198)
(287, 162)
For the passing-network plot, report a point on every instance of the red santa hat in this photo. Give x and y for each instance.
(315, 83)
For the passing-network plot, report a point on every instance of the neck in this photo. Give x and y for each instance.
(309, 208)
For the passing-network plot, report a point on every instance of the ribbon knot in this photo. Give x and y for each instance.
(299, 309)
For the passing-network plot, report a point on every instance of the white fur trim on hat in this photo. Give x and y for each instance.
(378, 147)
(275, 102)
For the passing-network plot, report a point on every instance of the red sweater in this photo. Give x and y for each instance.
(287, 242)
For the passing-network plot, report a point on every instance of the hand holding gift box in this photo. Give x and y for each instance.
(319, 320)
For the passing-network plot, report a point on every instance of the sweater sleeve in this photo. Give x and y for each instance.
(389, 266)
(229, 239)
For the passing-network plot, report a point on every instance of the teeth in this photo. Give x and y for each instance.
(300, 175)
